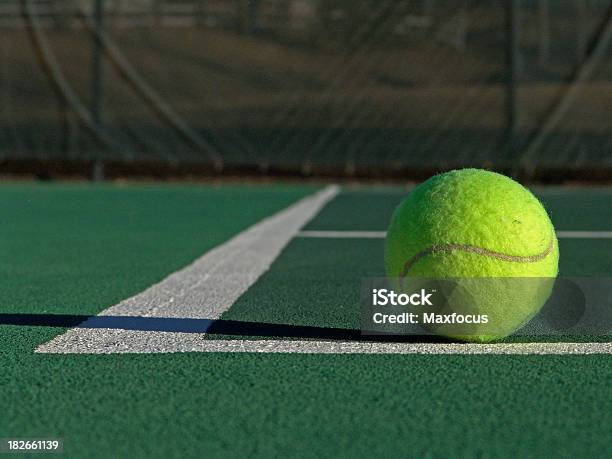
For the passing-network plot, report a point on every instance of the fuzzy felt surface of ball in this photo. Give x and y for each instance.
(469, 224)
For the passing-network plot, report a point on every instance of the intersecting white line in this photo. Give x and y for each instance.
(211, 285)
(382, 234)
(203, 290)
(584, 234)
(343, 234)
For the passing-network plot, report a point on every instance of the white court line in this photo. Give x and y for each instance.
(584, 234)
(206, 288)
(343, 234)
(210, 286)
(143, 342)
(352, 347)
(382, 234)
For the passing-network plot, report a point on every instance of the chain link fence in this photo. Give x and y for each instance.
(342, 87)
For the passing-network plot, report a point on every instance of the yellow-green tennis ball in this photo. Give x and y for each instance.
(473, 223)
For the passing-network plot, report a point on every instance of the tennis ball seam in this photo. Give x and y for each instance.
(447, 248)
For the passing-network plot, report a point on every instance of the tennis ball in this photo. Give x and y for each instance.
(468, 225)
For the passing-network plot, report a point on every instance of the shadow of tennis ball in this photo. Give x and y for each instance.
(565, 307)
(449, 298)
(480, 309)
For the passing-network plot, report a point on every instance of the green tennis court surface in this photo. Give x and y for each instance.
(71, 251)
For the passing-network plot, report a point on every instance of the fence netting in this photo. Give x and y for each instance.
(308, 86)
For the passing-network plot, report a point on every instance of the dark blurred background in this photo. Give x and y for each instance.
(356, 88)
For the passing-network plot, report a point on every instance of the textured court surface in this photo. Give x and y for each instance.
(71, 251)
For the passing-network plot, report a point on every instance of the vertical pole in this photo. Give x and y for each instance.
(544, 32)
(201, 12)
(97, 85)
(511, 74)
(155, 13)
(249, 16)
(428, 7)
(581, 31)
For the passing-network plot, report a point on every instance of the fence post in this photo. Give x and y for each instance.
(249, 15)
(97, 85)
(157, 12)
(581, 31)
(544, 32)
(511, 107)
